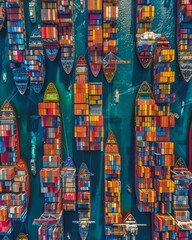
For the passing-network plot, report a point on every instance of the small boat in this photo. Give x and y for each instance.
(95, 36)
(68, 174)
(116, 96)
(22, 236)
(35, 61)
(2, 13)
(84, 201)
(32, 11)
(144, 16)
(17, 43)
(33, 166)
(82, 5)
(66, 33)
(49, 32)
(4, 75)
(183, 32)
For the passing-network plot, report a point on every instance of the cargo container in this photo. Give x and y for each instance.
(50, 221)
(35, 61)
(112, 185)
(68, 174)
(95, 35)
(183, 36)
(14, 175)
(49, 31)
(66, 33)
(2, 13)
(17, 43)
(110, 41)
(144, 12)
(89, 121)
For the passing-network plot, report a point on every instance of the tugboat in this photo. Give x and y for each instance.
(82, 5)
(116, 96)
(33, 166)
(4, 75)
(32, 11)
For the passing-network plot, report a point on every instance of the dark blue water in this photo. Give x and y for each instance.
(118, 118)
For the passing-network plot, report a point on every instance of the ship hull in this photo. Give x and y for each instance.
(190, 161)
(67, 65)
(109, 72)
(21, 79)
(51, 51)
(95, 68)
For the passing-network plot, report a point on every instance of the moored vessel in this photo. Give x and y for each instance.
(49, 31)
(50, 222)
(2, 13)
(66, 33)
(144, 43)
(190, 161)
(68, 174)
(35, 61)
(14, 175)
(17, 43)
(95, 36)
(184, 34)
(110, 42)
(112, 185)
(32, 11)
(182, 178)
(84, 201)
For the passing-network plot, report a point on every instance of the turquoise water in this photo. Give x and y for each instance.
(118, 118)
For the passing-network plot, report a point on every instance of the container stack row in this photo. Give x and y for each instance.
(112, 171)
(144, 15)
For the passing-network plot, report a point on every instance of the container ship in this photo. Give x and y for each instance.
(84, 201)
(112, 190)
(144, 16)
(2, 13)
(154, 153)
(49, 31)
(182, 179)
(110, 42)
(95, 36)
(50, 221)
(68, 174)
(184, 35)
(88, 130)
(35, 61)
(17, 43)
(14, 175)
(66, 33)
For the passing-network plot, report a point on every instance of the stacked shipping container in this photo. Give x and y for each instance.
(184, 35)
(112, 170)
(35, 61)
(95, 36)
(2, 13)
(66, 33)
(14, 179)
(144, 15)
(110, 29)
(182, 179)
(17, 43)
(49, 110)
(87, 110)
(49, 32)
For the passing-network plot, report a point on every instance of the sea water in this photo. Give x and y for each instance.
(118, 118)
